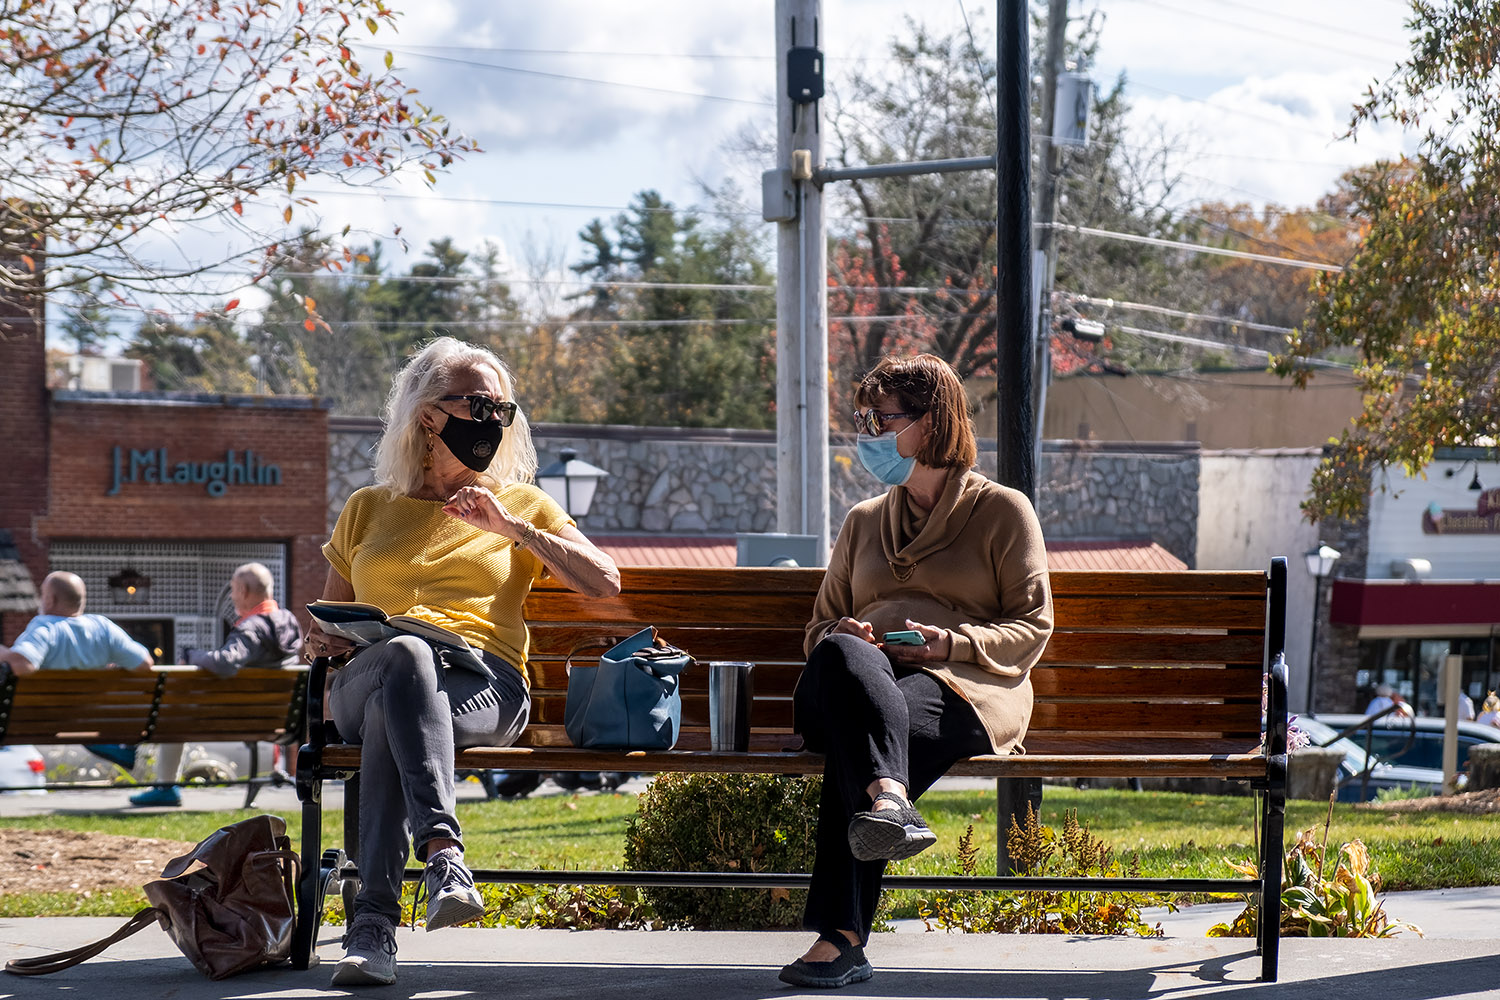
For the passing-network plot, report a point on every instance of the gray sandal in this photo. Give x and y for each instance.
(890, 834)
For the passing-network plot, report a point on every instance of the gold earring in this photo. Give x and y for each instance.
(427, 455)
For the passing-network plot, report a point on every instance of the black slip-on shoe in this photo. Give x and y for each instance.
(849, 967)
(890, 834)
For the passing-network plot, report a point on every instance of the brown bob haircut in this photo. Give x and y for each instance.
(926, 384)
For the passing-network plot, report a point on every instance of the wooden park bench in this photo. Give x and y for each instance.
(1146, 674)
(165, 704)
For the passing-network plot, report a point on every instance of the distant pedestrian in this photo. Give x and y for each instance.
(1491, 714)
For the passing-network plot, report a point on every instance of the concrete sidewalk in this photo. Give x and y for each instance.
(566, 965)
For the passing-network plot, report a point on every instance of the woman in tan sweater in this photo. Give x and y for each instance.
(959, 561)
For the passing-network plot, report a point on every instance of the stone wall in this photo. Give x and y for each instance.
(720, 482)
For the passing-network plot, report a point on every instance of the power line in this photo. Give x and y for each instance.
(577, 79)
(1157, 241)
(1342, 30)
(1242, 26)
(581, 53)
(1177, 338)
(1175, 313)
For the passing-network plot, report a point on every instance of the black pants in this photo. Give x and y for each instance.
(871, 721)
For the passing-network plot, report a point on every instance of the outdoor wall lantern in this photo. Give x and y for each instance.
(1474, 484)
(571, 482)
(129, 587)
(1319, 565)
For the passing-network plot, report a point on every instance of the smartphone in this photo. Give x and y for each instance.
(910, 637)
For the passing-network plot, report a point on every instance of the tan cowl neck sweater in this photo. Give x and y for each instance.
(975, 564)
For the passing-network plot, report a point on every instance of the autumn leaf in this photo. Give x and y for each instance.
(287, 214)
(309, 325)
(231, 305)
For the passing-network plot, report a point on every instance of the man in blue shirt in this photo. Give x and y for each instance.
(62, 637)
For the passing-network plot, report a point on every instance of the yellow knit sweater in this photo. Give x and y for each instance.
(407, 557)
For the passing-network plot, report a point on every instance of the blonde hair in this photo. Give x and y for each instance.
(1492, 703)
(423, 380)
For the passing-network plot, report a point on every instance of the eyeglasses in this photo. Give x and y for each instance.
(873, 423)
(483, 407)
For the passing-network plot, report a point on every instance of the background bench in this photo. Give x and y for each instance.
(165, 704)
(1146, 674)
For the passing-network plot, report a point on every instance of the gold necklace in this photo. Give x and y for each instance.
(902, 574)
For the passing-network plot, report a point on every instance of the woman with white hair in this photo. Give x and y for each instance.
(453, 533)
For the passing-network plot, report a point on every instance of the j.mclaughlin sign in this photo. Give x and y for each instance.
(152, 466)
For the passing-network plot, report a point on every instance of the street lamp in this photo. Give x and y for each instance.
(129, 587)
(571, 482)
(1319, 565)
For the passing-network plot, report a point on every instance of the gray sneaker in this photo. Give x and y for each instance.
(369, 953)
(449, 888)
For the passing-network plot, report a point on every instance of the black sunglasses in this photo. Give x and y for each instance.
(872, 422)
(483, 407)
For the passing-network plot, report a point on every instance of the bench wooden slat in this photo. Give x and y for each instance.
(1068, 684)
(1149, 647)
(1116, 611)
(668, 610)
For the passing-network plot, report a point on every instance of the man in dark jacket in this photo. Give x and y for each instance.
(265, 635)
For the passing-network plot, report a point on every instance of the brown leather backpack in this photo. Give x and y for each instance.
(232, 912)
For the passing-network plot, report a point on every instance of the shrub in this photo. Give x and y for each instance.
(725, 823)
(1039, 850)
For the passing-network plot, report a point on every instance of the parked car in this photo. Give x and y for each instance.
(1398, 776)
(1392, 734)
(23, 770)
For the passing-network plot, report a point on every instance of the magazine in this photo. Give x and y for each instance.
(365, 624)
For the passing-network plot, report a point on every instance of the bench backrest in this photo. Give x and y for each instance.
(1139, 662)
(172, 704)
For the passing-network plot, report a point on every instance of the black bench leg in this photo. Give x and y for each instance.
(311, 886)
(252, 784)
(1013, 796)
(1273, 823)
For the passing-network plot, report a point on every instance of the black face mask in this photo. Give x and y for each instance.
(473, 442)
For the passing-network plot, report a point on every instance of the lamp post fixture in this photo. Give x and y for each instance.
(1319, 566)
(571, 482)
(129, 587)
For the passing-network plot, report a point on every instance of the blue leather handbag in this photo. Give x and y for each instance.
(631, 700)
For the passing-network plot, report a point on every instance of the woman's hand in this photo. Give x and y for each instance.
(938, 647)
(853, 626)
(319, 643)
(477, 506)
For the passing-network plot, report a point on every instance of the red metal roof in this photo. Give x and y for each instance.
(717, 550)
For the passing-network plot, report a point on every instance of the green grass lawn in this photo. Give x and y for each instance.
(1173, 834)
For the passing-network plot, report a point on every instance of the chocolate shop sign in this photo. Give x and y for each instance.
(153, 467)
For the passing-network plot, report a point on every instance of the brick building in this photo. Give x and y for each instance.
(172, 489)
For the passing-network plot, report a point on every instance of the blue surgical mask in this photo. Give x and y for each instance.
(881, 458)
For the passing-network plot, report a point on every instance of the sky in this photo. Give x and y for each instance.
(580, 104)
(592, 105)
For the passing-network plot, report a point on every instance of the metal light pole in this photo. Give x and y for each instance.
(1319, 565)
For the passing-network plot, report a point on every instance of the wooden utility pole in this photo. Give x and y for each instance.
(802, 452)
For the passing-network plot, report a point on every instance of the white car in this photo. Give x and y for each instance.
(23, 770)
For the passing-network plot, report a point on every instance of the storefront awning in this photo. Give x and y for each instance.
(1373, 603)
